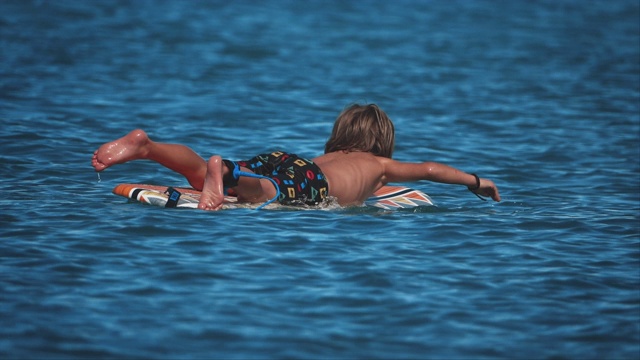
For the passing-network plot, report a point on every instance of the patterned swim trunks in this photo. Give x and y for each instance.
(300, 180)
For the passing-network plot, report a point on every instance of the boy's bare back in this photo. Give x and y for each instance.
(352, 176)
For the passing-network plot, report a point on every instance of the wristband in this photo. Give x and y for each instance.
(477, 183)
(476, 188)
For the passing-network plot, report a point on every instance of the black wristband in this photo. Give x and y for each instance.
(477, 183)
(476, 188)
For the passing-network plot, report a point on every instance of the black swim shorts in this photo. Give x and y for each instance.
(300, 180)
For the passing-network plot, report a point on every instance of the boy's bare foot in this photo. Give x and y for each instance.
(129, 147)
(212, 192)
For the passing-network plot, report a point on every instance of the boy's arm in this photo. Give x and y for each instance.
(396, 171)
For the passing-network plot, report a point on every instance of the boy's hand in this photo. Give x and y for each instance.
(487, 188)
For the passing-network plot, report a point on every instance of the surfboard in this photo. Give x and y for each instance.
(387, 197)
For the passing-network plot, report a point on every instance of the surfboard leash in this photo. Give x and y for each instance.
(237, 173)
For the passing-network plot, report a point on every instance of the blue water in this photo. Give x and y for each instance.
(542, 97)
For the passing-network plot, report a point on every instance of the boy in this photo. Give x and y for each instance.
(356, 163)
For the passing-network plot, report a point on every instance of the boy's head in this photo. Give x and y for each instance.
(362, 128)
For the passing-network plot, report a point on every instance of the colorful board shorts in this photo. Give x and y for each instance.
(300, 180)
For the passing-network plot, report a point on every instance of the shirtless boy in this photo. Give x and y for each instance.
(357, 162)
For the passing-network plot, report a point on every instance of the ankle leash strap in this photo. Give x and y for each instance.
(235, 174)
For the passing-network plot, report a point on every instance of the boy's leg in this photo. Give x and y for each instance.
(137, 145)
(254, 190)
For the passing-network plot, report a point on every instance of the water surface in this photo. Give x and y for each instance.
(541, 97)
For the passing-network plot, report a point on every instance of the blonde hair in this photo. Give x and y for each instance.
(362, 128)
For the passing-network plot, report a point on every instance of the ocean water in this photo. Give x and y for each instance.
(542, 97)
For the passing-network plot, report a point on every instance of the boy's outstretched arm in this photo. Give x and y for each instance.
(396, 171)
